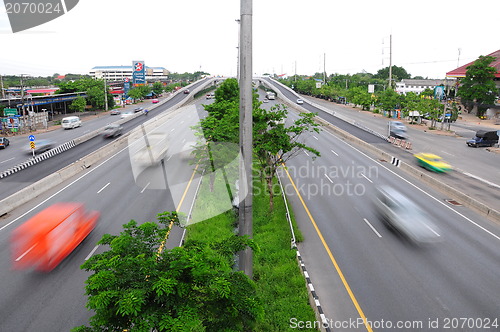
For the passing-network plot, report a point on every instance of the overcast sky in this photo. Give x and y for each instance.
(187, 36)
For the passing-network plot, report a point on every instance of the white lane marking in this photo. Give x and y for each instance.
(184, 140)
(1, 162)
(27, 251)
(315, 137)
(481, 179)
(169, 158)
(366, 178)
(448, 153)
(413, 185)
(172, 129)
(103, 187)
(306, 153)
(335, 153)
(432, 230)
(182, 121)
(373, 228)
(328, 178)
(92, 252)
(145, 187)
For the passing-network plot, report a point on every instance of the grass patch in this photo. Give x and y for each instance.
(280, 284)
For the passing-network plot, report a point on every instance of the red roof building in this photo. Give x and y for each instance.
(460, 71)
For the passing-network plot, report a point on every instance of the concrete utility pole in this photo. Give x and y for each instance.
(105, 93)
(390, 61)
(324, 68)
(3, 91)
(246, 144)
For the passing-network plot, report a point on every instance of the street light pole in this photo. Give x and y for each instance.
(105, 93)
(246, 143)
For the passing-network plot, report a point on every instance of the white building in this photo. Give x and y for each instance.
(119, 73)
(417, 86)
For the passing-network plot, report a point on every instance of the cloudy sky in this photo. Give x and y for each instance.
(429, 37)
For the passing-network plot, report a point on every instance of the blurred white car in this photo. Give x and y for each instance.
(400, 213)
(300, 101)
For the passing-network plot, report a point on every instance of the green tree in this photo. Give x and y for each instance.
(478, 86)
(389, 100)
(78, 105)
(359, 96)
(157, 88)
(398, 73)
(137, 286)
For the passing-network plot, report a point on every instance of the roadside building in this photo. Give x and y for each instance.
(417, 86)
(119, 73)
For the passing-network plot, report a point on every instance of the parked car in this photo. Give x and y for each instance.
(4, 142)
(400, 213)
(42, 146)
(112, 130)
(300, 101)
(397, 129)
(432, 162)
(115, 112)
(484, 138)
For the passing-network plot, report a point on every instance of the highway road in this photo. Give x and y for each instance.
(121, 191)
(361, 269)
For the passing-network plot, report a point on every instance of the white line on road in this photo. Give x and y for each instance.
(373, 228)
(315, 137)
(92, 252)
(306, 153)
(366, 178)
(172, 129)
(329, 178)
(182, 121)
(481, 179)
(145, 187)
(26, 252)
(448, 153)
(103, 188)
(1, 162)
(335, 153)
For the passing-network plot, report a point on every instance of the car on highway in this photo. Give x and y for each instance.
(138, 109)
(397, 129)
(300, 101)
(186, 91)
(112, 130)
(41, 146)
(400, 213)
(115, 112)
(47, 238)
(432, 162)
(155, 101)
(71, 122)
(483, 138)
(127, 114)
(4, 142)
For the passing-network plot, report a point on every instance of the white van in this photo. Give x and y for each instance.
(71, 122)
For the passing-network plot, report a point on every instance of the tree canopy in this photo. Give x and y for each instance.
(136, 286)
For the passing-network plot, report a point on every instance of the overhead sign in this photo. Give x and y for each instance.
(139, 73)
(10, 111)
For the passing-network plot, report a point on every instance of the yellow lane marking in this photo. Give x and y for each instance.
(160, 249)
(337, 268)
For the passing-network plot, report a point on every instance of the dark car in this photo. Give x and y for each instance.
(138, 109)
(115, 112)
(112, 130)
(186, 91)
(4, 142)
(42, 146)
(484, 138)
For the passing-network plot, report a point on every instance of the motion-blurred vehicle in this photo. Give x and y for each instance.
(152, 148)
(208, 96)
(115, 112)
(138, 109)
(483, 138)
(186, 91)
(46, 239)
(399, 212)
(112, 130)
(41, 146)
(300, 101)
(155, 101)
(127, 114)
(432, 162)
(4, 142)
(397, 129)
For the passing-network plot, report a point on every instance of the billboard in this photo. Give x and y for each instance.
(139, 73)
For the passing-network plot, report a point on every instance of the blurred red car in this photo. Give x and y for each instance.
(155, 101)
(46, 239)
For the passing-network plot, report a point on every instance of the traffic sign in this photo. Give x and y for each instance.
(32, 138)
(32, 145)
